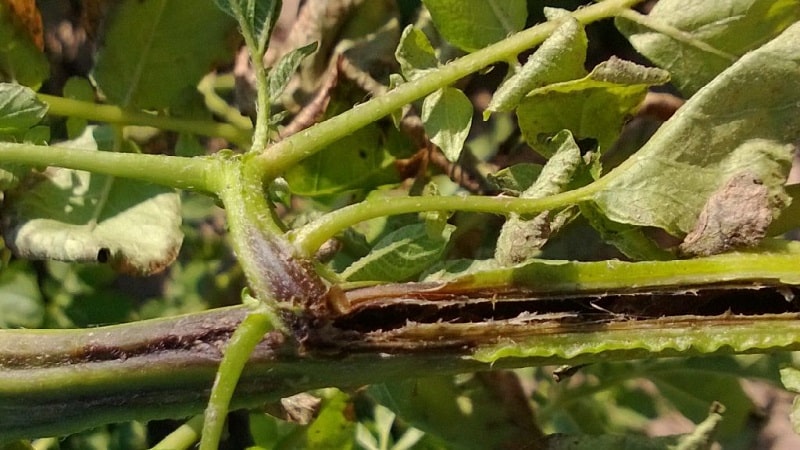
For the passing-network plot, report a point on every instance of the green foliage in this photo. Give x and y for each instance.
(20, 60)
(723, 130)
(392, 209)
(474, 24)
(708, 36)
(147, 60)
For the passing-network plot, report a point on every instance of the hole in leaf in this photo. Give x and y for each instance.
(103, 255)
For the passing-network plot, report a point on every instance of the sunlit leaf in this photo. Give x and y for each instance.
(595, 106)
(78, 216)
(148, 60)
(560, 58)
(732, 27)
(746, 119)
(415, 53)
(447, 118)
(474, 24)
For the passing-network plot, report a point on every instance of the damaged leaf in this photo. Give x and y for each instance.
(595, 106)
(727, 127)
(72, 215)
(559, 58)
(522, 237)
(736, 215)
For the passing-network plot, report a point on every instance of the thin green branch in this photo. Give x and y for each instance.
(244, 340)
(184, 437)
(198, 174)
(288, 152)
(61, 106)
(310, 238)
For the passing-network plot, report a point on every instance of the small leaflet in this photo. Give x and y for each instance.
(447, 118)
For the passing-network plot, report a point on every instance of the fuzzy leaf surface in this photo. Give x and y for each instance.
(280, 75)
(595, 106)
(149, 63)
(74, 215)
(730, 26)
(560, 58)
(726, 128)
(447, 118)
(473, 24)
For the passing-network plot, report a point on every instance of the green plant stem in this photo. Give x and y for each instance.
(248, 334)
(198, 174)
(284, 154)
(309, 238)
(61, 106)
(184, 437)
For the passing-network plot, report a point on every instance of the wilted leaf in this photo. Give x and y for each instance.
(628, 239)
(743, 120)
(732, 27)
(790, 377)
(560, 58)
(400, 255)
(415, 53)
(521, 237)
(157, 51)
(73, 215)
(447, 118)
(473, 24)
(595, 106)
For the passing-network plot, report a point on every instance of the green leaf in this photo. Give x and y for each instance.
(629, 239)
(473, 24)
(515, 179)
(447, 118)
(20, 109)
(157, 51)
(361, 160)
(73, 215)
(595, 106)
(78, 88)
(400, 255)
(731, 27)
(21, 304)
(332, 430)
(280, 75)
(467, 412)
(255, 17)
(20, 59)
(522, 237)
(415, 53)
(790, 377)
(560, 58)
(744, 120)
